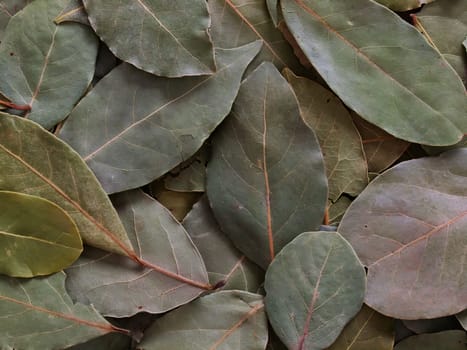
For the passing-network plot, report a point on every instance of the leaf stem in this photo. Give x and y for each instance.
(15, 106)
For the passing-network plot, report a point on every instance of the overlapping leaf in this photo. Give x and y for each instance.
(132, 135)
(448, 340)
(266, 179)
(408, 227)
(105, 280)
(190, 177)
(8, 8)
(403, 5)
(73, 12)
(313, 288)
(462, 317)
(397, 81)
(432, 325)
(51, 66)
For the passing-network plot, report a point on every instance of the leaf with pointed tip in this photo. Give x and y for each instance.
(227, 320)
(37, 313)
(104, 280)
(403, 5)
(314, 287)
(408, 227)
(33, 161)
(337, 209)
(73, 12)
(166, 38)
(462, 318)
(134, 134)
(51, 67)
(448, 340)
(266, 180)
(32, 227)
(223, 261)
(373, 72)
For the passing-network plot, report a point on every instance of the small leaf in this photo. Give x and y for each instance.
(73, 12)
(448, 340)
(403, 5)
(313, 288)
(224, 320)
(32, 227)
(408, 227)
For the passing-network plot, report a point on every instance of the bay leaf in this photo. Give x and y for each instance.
(189, 177)
(432, 325)
(51, 67)
(176, 276)
(403, 5)
(111, 341)
(408, 227)
(167, 38)
(32, 227)
(35, 162)
(337, 209)
(266, 180)
(133, 134)
(273, 9)
(462, 318)
(37, 313)
(314, 286)
(8, 8)
(179, 203)
(373, 72)
(448, 340)
(73, 12)
(223, 320)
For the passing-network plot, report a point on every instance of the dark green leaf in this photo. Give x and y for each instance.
(432, 325)
(462, 318)
(112, 341)
(448, 340)
(403, 5)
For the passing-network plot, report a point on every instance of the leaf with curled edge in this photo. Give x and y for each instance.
(104, 279)
(408, 227)
(135, 133)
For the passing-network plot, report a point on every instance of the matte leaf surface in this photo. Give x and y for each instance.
(119, 287)
(403, 5)
(227, 320)
(32, 227)
(462, 318)
(50, 67)
(448, 340)
(432, 325)
(73, 12)
(112, 341)
(266, 180)
(373, 72)
(190, 177)
(167, 38)
(314, 287)
(38, 314)
(408, 227)
(35, 162)
(134, 134)
(8, 8)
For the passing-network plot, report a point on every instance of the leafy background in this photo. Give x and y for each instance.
(257, 174)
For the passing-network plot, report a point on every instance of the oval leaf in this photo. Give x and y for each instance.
(32, 227)
(224, 320)
(168, 38)
(134, 134)
(51, 67)
(408, 227)
(373, 72)
(313, 288)
(448, 340)
(36, 162)
(266, 179)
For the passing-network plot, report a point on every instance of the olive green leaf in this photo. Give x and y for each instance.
(337, 209)
(314, 286)
(448, 340)
(408, 227)
(224, 320)
(266, 179)
(167, 38)
(35, 162)
(8, 8)
(189, 176)
(135, 133)
(49, 68)
(73, 12)
(397, 82)
(432, 325)
(273, 9)
(111, 341)
(403, 5)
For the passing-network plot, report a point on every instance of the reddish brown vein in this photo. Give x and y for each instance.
(234, 268)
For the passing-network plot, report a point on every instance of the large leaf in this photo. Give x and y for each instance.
(135, 133)
(51, 66)
(8, 8)
(32, 227)
(313, 288)
(167, 38)
(403, 5)
(266, 179)
(223, 261)
(177, 274)
(408, 227)
(397, 81)
(228, 320)
(448, 340)
(38, 314)
(33, 161)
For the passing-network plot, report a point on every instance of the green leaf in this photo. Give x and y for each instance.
(462, 318)
(73, 12)
(314, 286)
(266, 180)
(408, 227)
(8, 8)
(178, 203)
(340, 142)
(148, 125)
(189, 177)
(227, 320)
(369, 330)
(403, 5)
(32, 227)
(112, 341)
(397, 81)
(104, 280)
(274, 12)
(51, 66)
(33, 161)
(337, 209)
(448, 340)
(38, 314)
(223, 261)
(168, 38)
(432, 325)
